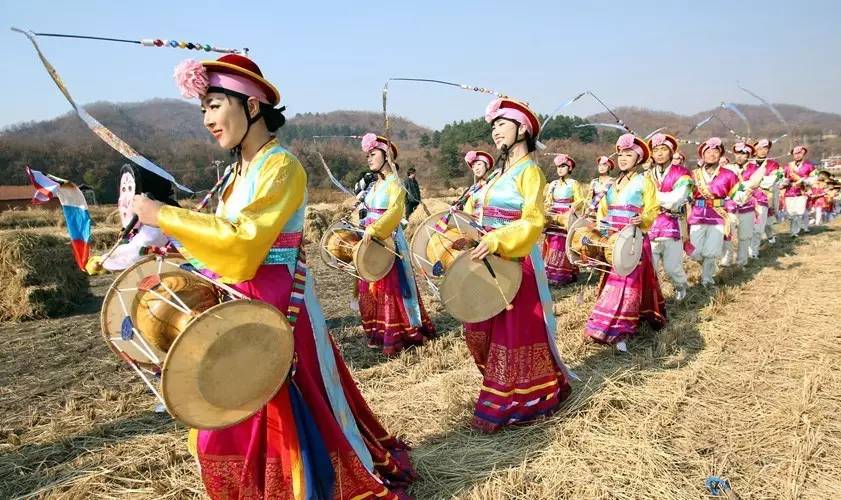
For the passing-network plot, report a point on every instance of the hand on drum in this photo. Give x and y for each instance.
(146, 209)
(368, 234)
(480, 252)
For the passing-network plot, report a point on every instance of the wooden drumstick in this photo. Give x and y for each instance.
(508, 305)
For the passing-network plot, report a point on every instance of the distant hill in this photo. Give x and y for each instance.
(804, 121)
(170, 132)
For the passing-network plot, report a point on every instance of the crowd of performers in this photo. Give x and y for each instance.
(317, 438)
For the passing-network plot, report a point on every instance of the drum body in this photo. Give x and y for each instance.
(342, 248)
(163, 317)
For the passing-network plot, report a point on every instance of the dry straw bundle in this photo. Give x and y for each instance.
(39, 276)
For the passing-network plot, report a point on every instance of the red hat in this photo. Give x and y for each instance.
(743, 147)
(634, 143)
(473, 156)
(606, 160)
(230, 72)
(372, 141)
(562, 159)
(513, 110)
(661, 139)
(796, 149)
(711, 143)
(762, 143)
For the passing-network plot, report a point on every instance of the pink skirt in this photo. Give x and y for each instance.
(624, 301)
(521, 380)
(559, 270)
(384, 316)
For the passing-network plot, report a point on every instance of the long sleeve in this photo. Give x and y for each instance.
(388, 222)
(516, 239)
(675, 198)
(469, 205)
(235, 250)
(547, 196)
(650, 207)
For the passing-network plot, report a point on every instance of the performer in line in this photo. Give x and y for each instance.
(669, 233)
(393, 314)
(769, 200)
(797, 174)
(819, 196)
(524, 377)
(625, 301)
(708, 220)
(316, 438)
(742, 208)
(599, 184)
(562, 196)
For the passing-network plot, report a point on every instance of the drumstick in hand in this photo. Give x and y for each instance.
(490, 269)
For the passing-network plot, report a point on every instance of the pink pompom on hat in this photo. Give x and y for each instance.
(711, 143)
(798, 149)
(743, 147)
(562, 159)
(631, 142)
(660, 139)
(372, 141)
(763, 143)
(606, 160)
(473, 156)
(513, 110)
(230, 72)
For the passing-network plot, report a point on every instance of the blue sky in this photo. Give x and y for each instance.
(675, 56)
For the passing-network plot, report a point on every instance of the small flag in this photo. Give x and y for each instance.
(74, 206)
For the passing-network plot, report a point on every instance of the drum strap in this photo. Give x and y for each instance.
(709, 197)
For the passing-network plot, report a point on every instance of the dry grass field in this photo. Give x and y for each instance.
(745, 382)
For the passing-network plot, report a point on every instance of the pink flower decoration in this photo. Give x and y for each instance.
(604, 160)
(658, 140)
(626, 141)
(490, 111)
(561, 159)
(369, 142)
(713, 143)
(470, 157)
(764, 143)
(191, 78)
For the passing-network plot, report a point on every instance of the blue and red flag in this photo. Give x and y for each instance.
(74, 206)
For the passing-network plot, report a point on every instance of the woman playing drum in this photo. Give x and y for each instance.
(523, 375)
(624, 301)
(393, 315)
(316, 438)
(562, 196)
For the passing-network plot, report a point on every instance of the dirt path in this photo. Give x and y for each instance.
(743, 383)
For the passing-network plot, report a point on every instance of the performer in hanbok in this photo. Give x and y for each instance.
(768, 199)
(742, 207)
(708, 221)
(563, 195)
(598, 186)
(797, 174)
(625, 301)
(819, 195)
(393, 314)
(679, 158)
(766, 196)
(524, 377)
(316, 438)
(669, 233)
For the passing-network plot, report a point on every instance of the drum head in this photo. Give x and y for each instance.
(129, 185)
(575, 225)
(326, 257)
(117, 305)
(469, 292)
(627, 250)
(420, 240)
(227, 364)
(373, 260)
